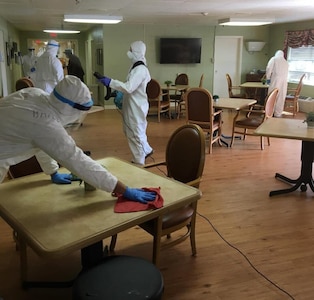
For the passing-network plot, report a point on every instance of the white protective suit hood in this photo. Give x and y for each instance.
(279, 53)
(71, 98)
(137, 53)
(52, 47)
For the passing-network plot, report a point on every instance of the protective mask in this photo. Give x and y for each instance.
(130, 55)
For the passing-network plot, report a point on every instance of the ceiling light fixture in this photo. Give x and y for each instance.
(94, 19)
(244, 22)
(61, 31)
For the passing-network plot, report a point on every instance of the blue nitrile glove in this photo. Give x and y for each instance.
(268, 81)
(105, 81)
(59, 178)
(139, 195)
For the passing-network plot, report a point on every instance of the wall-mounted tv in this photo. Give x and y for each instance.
(180, 50)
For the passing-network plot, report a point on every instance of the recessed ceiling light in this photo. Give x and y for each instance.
(61, 31)
(94, 19)
(244, 22)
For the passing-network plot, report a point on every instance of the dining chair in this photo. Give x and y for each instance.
(177, 97)
(291, 102)
(159, 101)
(201, 81)
(23, 83)
(231, 88)
(253, 118)
(24, 168)
(200, 110)
(181, 105)
(184, 161)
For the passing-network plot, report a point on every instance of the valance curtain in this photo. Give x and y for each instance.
(296, 39)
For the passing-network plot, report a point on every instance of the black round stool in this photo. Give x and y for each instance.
(118, 278)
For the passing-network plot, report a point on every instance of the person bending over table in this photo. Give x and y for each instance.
(32, 122)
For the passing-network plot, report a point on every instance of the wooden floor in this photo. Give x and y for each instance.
(250, 246)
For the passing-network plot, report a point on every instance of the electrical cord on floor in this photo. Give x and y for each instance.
(245, 257)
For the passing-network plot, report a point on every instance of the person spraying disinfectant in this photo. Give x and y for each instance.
(135, 103)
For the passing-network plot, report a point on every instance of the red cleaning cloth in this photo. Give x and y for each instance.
(125, 205)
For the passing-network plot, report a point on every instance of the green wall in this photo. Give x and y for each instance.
(116, 39)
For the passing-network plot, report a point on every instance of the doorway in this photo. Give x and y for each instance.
(227, 59)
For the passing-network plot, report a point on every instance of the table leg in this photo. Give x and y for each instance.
(307, 157)
(36, 284)
(91, 255)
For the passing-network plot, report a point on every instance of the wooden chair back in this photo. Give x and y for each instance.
(231, 88)
(200, 110)
(159, 101)
(185, 154)
(182, 79)
(201, 81)
(291, 102)
(24, 168)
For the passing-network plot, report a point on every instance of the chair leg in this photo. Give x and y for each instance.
(113, 242)
(232, 137)
(210, 145)
(262, 143)
(192, 239)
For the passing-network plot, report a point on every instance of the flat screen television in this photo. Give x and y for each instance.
(180, 50)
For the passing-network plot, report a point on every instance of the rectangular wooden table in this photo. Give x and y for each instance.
(297, 130)
(57, 220)
(234, 104)
(177, 89)
(257, 85)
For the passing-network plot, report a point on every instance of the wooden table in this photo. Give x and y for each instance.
(254, 84)
(57, 220)
(176, 88)
(258, 85)
(292, 129)
(234, 104)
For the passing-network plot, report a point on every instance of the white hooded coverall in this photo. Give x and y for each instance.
(135, 104)
(49, 70)
(29, 62)
(277, 72)
(31, 120)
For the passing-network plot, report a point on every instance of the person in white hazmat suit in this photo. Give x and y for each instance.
(277, 77)
(28, 64)
(135, 103)
(49, 70)
(32, 122)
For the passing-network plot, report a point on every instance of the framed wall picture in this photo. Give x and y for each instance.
(8, 53)
(99, 56)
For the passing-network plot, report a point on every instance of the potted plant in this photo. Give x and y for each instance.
(310, 119)
(168, 82)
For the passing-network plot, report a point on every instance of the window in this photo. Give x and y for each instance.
(301, 60)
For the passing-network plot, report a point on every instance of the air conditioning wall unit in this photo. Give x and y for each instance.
(255, 46)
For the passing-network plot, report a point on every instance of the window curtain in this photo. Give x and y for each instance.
(296, 39)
